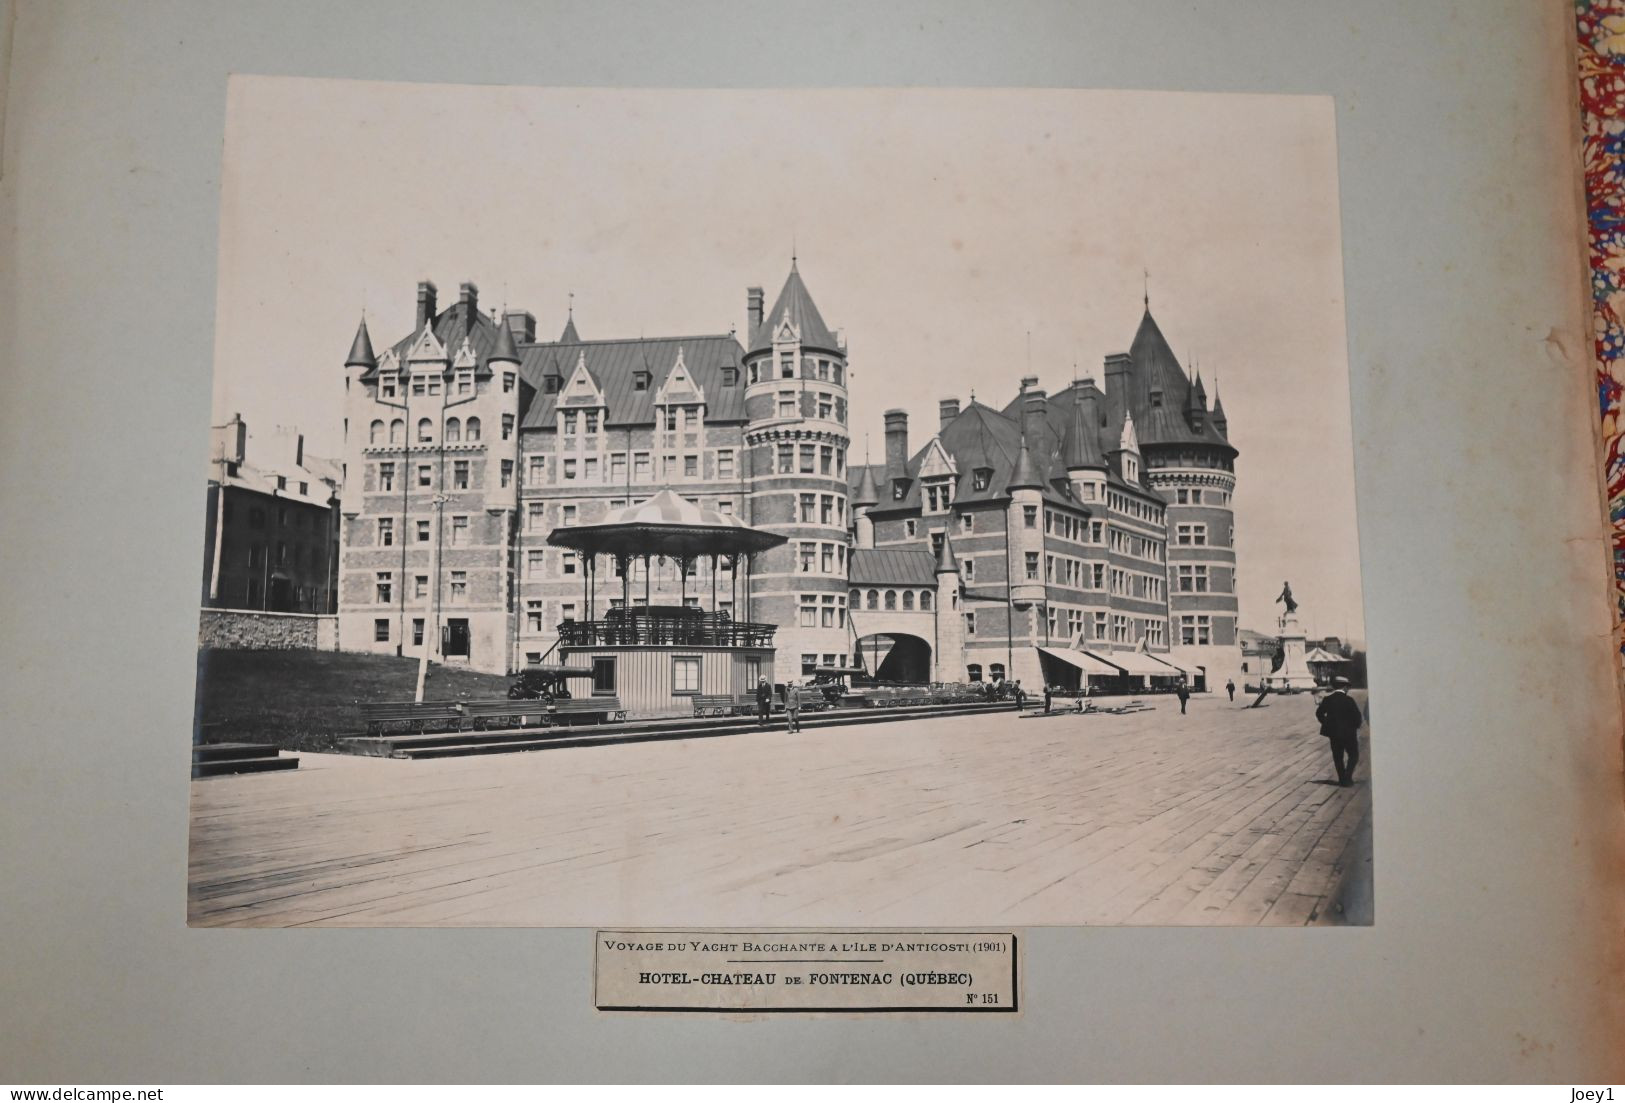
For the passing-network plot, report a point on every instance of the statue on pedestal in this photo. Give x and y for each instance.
(1286, 596)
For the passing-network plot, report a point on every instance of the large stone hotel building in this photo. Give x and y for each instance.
(1085, 532)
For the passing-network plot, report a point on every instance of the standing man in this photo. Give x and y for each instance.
(1049, 692)
(1340, 721)
(1230, 688)
(792, 706)
(764, 702)
(1184, 692)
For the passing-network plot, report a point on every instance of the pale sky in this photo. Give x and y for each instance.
(938, 228)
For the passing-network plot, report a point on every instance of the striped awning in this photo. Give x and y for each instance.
(665, 524)
(1138, 663)
(1082, 660)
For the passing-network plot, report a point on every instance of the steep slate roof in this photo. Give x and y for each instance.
(504, 348)
(613, 363)
(796, 299)
(1155, 365)
(1080, 444)
(866, 491)
(361, 349)
(891, 567)
(450, 326)
(570, 336)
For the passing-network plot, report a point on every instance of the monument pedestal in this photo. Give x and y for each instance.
(1294, 671)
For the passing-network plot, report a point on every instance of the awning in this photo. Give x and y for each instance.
(1183, 668)
(1081, 660)
(1138, 662)
(1321, 655)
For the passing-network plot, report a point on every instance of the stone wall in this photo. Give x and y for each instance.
(247, 630)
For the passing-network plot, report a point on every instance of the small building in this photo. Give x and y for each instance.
(271, 541)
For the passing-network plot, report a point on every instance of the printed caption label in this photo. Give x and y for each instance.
(781, 970)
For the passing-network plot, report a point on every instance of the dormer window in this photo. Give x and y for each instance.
(981, 477)
(551, 384)
(787, 366)
(1156, 396)
(730, 376)
(465, 382)
(507, 381)
(899, 489)
(1131, 469)
(640, 380)
(388, 385)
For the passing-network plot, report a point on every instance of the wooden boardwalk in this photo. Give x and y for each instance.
(1222, 816)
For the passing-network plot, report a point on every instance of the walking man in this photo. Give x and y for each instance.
(764, 702)
(1049, 692)
(792, 706)
(1340, 721)
(1230, 688)
(1184, 692)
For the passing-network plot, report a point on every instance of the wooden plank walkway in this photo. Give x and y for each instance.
(1223, 816)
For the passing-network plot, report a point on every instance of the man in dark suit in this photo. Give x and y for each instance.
(1184, 692)
(764, 702)
(1340, 721)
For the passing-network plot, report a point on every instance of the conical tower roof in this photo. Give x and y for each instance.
(504, 349)
(947, 561)
(570, 336)
(867, 494)
(1026, 475)
(1080, 446)
(795, 300)
(361, 355)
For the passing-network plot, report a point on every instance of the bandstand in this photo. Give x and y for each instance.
(657, 658)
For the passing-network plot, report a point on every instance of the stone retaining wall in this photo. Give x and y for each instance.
(251, 630)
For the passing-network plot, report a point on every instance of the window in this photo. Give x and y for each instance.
(1029, 516)
(567, 515)
(533, 563)
(425, 475)
(640, 380)
(809, 611)
(691, 467)
(787, 366)
(423, 532)
(809, 663)
(671, 419)
(425, 430)
(872, 600)
(809, 508)
(1193, 578)
(590, 422)
(1098, 575)
(569, 468)
(981, 477)
(970, 624)
(826, 560)
(417, 631)
(471, 429)
(787, 404)
(570, 423)
(1195, 629)
(973, 672)
(891, 599)
(465, 382)
(589, 469)
(380, 630)
(386, 588)
(387, 386)
(1097, 531)
(1032, 566)
(685, 674)
(454, 430)
(535, 516)
(459, 587)
(826, 460)
(603, 675)
(640, 467)
(966, 522)
(826, 508)
(808, 452)
(967, 569)
(925, 600)
(911, 527)
(459, 531)
(725, 507)
(826, 406)
(420, 585)
(397, 431)
(459, 475)
(899, 489)
(567, 562)
(617, 467)
(507, 382)
(725, 464)
(567, 612)
(375, 434)
(386, 532)
(1191, 534)
(808, 550)
(507, 473)
(386, 476)
(908, 601)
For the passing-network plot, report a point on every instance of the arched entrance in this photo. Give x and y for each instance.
(895, 657)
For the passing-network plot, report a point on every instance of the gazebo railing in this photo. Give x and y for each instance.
(656, 630)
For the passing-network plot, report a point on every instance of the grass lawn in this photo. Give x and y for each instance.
(303, 700)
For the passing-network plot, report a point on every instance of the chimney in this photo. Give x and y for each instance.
(299, 449)
(753, 309)
(230, 440)
(1034, 405)
(522, 324)
(1118, 366)
(426, 305)
(896, 445)
(468, 297)
(947, 410)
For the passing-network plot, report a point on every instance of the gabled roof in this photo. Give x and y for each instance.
(795, 300)
(613, 364)
(450, 326)
(891, 567)
(361, 349)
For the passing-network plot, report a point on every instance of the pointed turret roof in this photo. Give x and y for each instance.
(1219, 420)
(867, 493)
(1080, 446)
(570, 336)
(504, 348)
(361, 349)
(1158, 374)
(947, 562)
(795, 301)
(1026, 475)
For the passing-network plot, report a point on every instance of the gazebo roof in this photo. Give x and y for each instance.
(666, 524)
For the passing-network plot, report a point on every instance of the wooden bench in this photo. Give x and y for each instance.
(606, 709)
(717, 704)
(508, 713)
(415, 717)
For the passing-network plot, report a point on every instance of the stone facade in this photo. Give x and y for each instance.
(253, 630)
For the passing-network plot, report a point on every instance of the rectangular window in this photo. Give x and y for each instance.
(787, 404)
(826, 460)
(1032, 566)
(567, 515)
(569, 469)
(809, 508)
(380, 630)
(1029, 516)
(386, 587)
(808, 553)
(533, 563)
(725, 464)
(970, 624)
(570, 421)
(617, 467)
(827, 558)
(967, 569)
(826, 508)
(685, 674)
(507, 382)
(459, 531)
(536, 470)
(603, 676)
(507, 474)
(567, 612)
(459, 587)
(425, 475)
(691, 467)
(459, 475)
(423, 532)
(640, 467)
(1192, 535)
(386, 532)
(589, 469)
(809, 611)
(910, 527)
(590, 418)
(420, 585)
(725, 507)
(807, 455)
(417, 631)
(386, 476)
(535, 516)
(966, 524)
(387, 387)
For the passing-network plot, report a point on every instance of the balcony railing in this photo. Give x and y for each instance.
(661, 628)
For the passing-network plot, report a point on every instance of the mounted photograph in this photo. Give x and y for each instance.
(779, 509)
